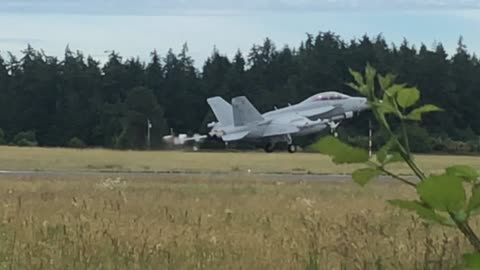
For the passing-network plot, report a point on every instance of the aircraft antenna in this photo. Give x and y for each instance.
(149, 126)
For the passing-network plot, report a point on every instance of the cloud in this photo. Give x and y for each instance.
(213, 7)
(469, 15)
(134, 35)
(19, 40)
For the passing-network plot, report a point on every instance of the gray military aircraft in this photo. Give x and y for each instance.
(241, 121)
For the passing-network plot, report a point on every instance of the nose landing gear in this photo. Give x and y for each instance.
(333, 128)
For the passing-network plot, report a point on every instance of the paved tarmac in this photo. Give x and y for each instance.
(273, 176)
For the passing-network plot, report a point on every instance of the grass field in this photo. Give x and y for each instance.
(16, 158)
(214, 223)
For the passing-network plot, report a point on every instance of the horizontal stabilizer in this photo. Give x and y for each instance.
(222, 110)
(234, 136)
(244, 112)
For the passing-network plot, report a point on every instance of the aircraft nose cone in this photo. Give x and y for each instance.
(363, 104)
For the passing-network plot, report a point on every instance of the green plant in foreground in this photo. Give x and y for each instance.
(442, 198)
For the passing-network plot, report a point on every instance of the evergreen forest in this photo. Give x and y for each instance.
(76, 101)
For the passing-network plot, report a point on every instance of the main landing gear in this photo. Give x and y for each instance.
(292, 148)
(270, 146)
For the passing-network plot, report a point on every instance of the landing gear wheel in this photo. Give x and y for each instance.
(269, 147)
(333, 128)
(292, 148)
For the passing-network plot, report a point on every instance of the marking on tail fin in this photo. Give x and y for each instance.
(244, 112)
(222, 110)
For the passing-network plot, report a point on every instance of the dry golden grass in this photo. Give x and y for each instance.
(215, 223)
(16, 158)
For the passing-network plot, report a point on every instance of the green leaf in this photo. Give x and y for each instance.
(461, 216)
(386, 108)
(382, 154)
(394, 157)
(443, 193)
(386, 105)
(359, 80)
(421, 210)
(370, 73)
(471, 260)
(340, 152)
(362, 89)
(465, 172)
(353, 86)
(417, 113)
(394, 89)
(406, 97)
(387, 81)
(357, 76)
(474, 202)
(387, 154)
(365, 175)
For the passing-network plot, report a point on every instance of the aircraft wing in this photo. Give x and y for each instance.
(316, 111)
(279, 129)
(235, 136)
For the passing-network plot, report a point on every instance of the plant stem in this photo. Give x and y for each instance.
(394, 176)
(399, 178)
(403, 152)
(408, 159)
(465, 228)
(407, 154)
(405, 136)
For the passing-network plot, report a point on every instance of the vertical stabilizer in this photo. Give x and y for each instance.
(222, 110)
(244, 112)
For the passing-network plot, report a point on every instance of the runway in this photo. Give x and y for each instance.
(256, 175)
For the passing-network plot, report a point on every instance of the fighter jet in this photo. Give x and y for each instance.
(242, 121)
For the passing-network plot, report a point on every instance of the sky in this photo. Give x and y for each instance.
(135, 28)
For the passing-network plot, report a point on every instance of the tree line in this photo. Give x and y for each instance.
(76, 101)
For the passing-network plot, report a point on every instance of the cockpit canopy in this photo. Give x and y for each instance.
(326, 96)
